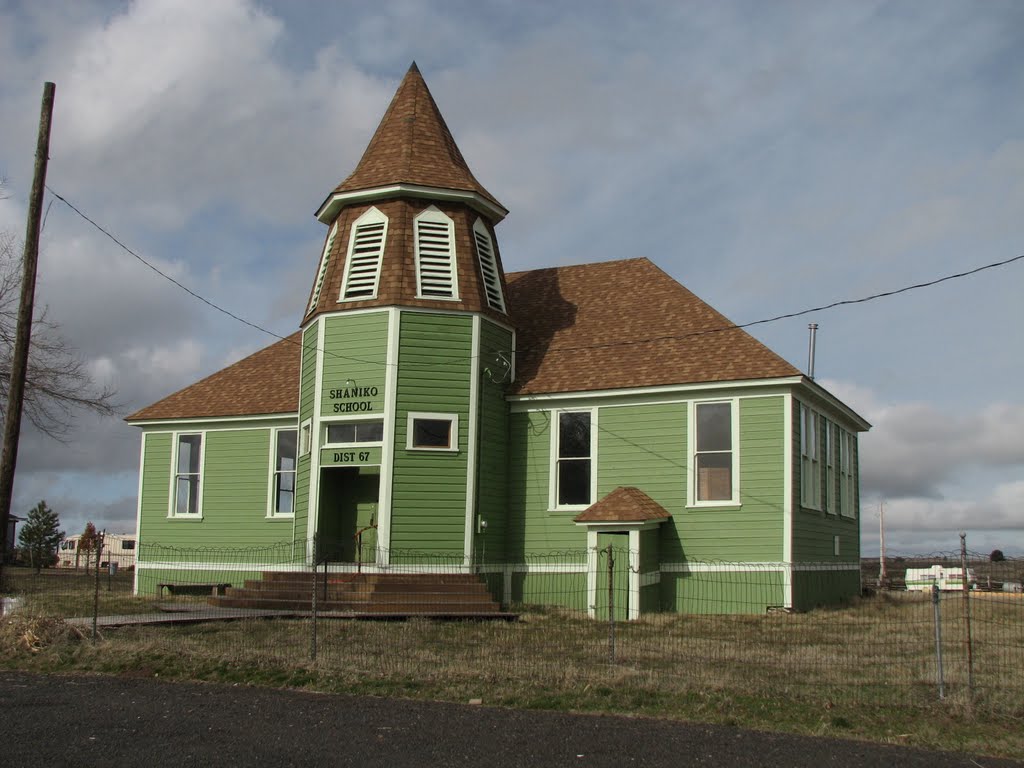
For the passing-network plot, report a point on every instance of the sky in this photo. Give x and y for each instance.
(772, 157)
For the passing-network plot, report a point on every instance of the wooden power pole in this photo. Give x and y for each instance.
(23, 334)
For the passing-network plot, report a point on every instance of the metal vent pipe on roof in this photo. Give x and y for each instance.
(811, 342)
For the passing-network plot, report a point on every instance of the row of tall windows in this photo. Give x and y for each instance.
(827, 479)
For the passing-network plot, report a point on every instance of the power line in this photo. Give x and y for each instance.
(627, 342)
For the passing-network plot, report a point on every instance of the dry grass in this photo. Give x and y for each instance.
(866, 671)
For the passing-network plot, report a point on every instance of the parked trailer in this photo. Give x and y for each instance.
(947, 579)
(118, 548)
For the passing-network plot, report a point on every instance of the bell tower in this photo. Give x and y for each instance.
(407, 351)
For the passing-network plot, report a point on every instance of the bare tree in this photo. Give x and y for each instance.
(59, 384)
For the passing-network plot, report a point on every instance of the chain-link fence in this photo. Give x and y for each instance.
(556, 621)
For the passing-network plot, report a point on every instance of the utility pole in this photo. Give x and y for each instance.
(882, 577)
(23, 334)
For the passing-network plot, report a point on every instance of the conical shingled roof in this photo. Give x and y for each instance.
(412, 145)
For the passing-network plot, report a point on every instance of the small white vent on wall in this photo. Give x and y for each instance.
(323, 268)
(488, 266)
(365, 252)
(435, 256)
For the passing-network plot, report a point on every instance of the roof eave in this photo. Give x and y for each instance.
(328, 210)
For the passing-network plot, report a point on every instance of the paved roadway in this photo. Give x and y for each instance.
(109, 721)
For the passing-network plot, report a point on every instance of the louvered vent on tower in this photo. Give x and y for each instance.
(488, 266)
(323, 268)
(366, 246)
(435, 256)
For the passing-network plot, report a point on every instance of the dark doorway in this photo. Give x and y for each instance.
(348, 514)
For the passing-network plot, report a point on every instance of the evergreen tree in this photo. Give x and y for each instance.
(40, 535)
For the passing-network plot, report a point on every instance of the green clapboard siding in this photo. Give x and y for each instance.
(825, 588)
(234, 486)
(752, 591)
(492, 475)
(753, 531)
(355, 356)
(566, 590)
(307, 384)
(428, 497)
(531, 528)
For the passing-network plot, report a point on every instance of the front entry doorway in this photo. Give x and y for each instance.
(346, 530)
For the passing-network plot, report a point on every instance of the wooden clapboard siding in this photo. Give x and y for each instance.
(234, 481)
(492, 476)
(428, 498)
(355, 354)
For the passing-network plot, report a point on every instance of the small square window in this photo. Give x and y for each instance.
(433, 432)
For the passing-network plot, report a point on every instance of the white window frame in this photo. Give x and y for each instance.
(324, 259)
(691, 454)
(835, 545)
(452, 418)
(488, 262)
(553, 504)
(369, 218)
(828, 496)
(172, 510)
(325, 443)
(810, 459)
(847, 475)
(305, 438)
(434, 215)
(275, 472)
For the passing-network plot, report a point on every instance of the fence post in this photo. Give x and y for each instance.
(937, 611)
(967, 612)
(312, 604)
(96, 589)
(611, 605)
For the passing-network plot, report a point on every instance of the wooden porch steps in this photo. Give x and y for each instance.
(371, 595)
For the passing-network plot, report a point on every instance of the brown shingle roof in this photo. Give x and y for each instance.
(624, 324)
(266, 382)
(623, 505)
(413, 145)
(612, 325)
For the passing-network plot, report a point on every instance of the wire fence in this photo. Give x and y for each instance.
(554, 622)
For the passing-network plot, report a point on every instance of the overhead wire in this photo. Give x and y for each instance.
(550, 349)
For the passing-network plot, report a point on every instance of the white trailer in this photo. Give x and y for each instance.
(946, 579)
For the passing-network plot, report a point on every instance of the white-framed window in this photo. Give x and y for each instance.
(285, 450)
(810, 464)
(322, 272)
(847, 477)
(348, 432)
(186, 500)
(365, 253)
(713, 457)
(432, 432)
(305, 437)
(828, 498)
(436, 275)
(488, 266)
(574, 446)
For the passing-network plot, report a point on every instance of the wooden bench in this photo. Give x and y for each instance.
(192, 589)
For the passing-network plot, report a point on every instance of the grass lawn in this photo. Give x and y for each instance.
(868, 671)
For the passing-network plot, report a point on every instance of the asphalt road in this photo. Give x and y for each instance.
(100, 721)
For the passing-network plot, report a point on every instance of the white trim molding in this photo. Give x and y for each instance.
(328, 210)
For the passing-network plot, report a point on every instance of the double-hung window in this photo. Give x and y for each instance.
(285, 448)
(573, 471)
(188, 469)
(829, 497)
(810, 466)
(847, 481)
(713, 461)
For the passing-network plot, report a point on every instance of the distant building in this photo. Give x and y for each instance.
(12, 541)
(449, 410)
(117, 548)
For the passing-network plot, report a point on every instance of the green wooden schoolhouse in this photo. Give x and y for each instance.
(433, 409)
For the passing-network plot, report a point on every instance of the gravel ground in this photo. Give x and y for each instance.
(99, 721)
